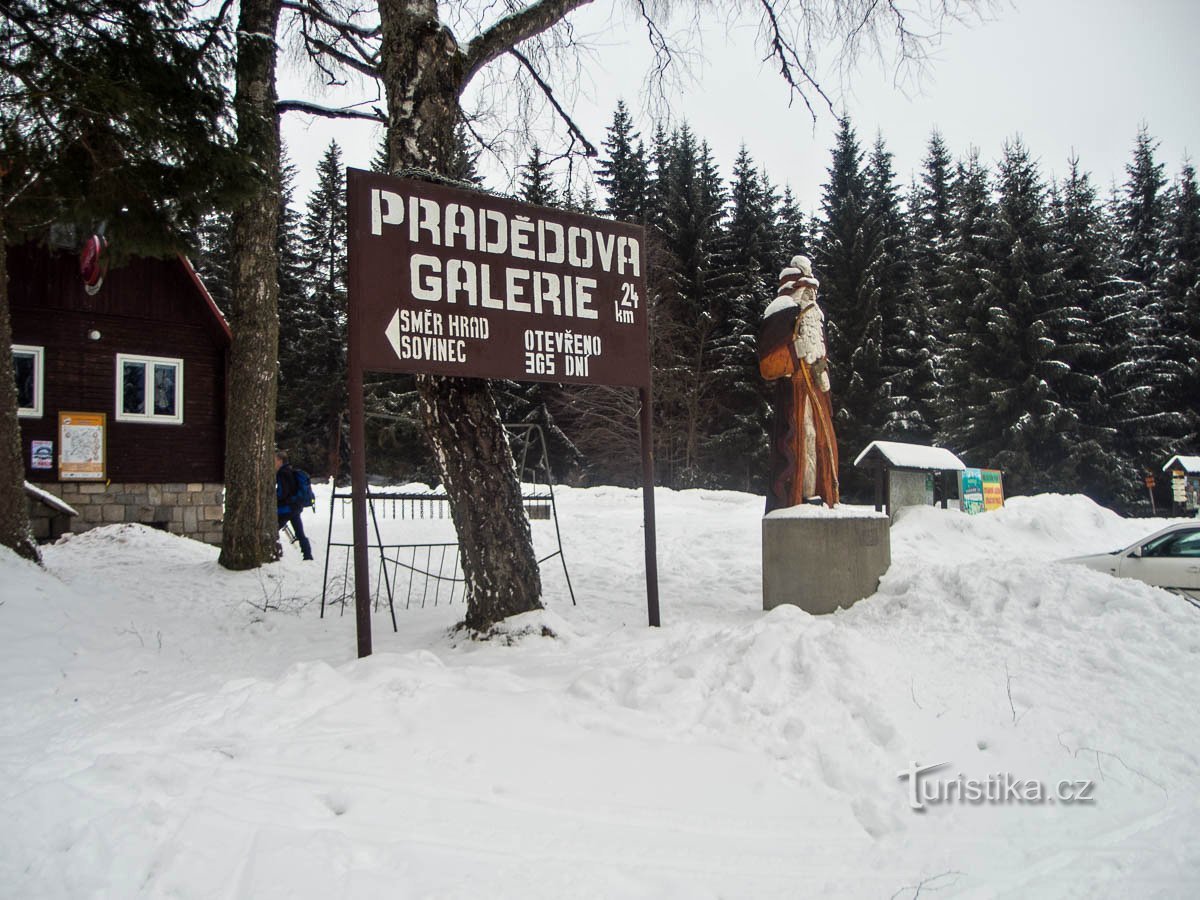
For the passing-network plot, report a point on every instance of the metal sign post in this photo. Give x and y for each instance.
(445, 281)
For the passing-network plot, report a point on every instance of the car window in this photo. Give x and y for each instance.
(1158, 546)
(1177, 543)
(1188, 544)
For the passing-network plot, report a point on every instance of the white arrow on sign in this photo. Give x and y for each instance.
(393, 333)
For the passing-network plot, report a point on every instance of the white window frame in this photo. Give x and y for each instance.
(39, 380)
(149, 362)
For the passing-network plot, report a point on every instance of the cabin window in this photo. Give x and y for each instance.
(29, 373)
(149, 389)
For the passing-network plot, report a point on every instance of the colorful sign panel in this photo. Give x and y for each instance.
(81, 438)
(41, 455)
(970, 491)
(446, 281)
(993, 489)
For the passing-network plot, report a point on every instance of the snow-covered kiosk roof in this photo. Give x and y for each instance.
(911, 456)
(1189, 464)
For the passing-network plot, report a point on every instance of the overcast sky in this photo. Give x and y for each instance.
(1067, 76)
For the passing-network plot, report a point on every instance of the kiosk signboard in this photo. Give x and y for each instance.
(970, 494)
(993, 489)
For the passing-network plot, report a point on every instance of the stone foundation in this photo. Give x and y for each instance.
(194, 509)
(823, 560)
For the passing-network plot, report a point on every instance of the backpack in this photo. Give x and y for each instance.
(304, 492)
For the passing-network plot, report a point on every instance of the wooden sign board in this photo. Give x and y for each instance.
(446, 281)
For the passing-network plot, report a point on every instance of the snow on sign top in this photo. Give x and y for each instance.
(1189, 464)
(914, 456)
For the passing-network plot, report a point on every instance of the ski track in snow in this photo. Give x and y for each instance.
(163, 736)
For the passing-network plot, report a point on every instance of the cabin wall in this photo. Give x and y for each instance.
(168, 475)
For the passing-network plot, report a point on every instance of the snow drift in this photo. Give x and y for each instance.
(162, 735)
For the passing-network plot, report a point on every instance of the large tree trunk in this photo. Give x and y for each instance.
(249, 536)
(423, 77)
(14, 507)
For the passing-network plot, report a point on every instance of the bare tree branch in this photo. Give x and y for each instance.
(505, 34)
(784, 52)
(330, 112)
(576, 133)
(366, 67)
(316, 11)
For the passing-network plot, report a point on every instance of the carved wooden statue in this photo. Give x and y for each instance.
(791, 352)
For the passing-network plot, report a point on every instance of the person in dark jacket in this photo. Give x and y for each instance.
(286, 490)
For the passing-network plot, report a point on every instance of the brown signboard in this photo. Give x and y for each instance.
(446, 281)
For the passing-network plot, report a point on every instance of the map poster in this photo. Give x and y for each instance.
(993, 489)
(81, 440)
(971, 491)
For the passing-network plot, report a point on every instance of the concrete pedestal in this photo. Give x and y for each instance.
(822, 559)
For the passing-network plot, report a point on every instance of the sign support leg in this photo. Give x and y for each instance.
(358, 479)
(646, 423)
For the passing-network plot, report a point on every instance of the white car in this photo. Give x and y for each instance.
(1167, 559)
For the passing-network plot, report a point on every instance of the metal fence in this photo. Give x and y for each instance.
(429, 574)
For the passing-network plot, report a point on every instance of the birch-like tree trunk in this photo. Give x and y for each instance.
(249, 536)
(14, 507)
(424, 72)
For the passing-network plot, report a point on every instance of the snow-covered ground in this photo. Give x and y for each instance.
(163, 736)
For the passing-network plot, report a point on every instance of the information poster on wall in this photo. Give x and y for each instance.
(970, 494)
(41, 455)
(993, 489)
(81, 438)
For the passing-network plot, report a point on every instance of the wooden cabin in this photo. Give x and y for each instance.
(121, 390)
(1185, 484)
(910, 474)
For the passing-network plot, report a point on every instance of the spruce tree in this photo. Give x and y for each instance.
(907, 346)
(1099, 359)
(623, 173)
(847, 247)
(932, 226)
(213, 255)
(735, 446)
(537, 182)
(312, 334)
(684, 299)
(1141, 211)
(1151, 427)
(962, 279)
(1010, 377)
(659, 188)
(750, 235)
(791, 228)
(1179, 287)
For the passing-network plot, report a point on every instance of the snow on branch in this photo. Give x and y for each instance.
(375, 114)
